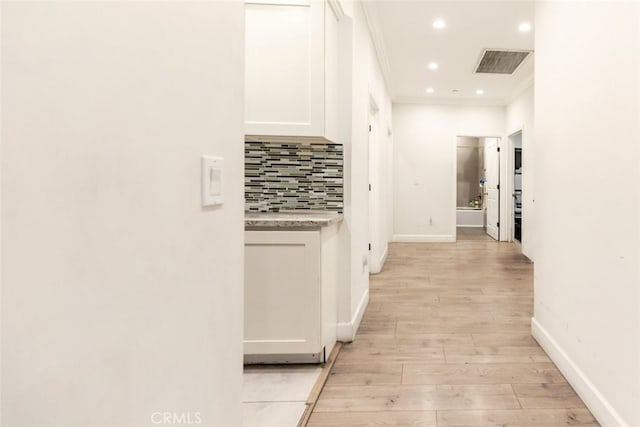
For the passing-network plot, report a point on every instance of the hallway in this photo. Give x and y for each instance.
(446, 342)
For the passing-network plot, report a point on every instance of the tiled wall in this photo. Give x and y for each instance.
(280, 176)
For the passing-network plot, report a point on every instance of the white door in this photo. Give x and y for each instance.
(372, 199)
(492, 186)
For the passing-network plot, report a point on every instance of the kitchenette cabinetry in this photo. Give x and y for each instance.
(291, 69)
(290, 289)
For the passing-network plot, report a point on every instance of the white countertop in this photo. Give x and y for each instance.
(292, 219)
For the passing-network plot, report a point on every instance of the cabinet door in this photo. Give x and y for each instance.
(284, 69)
(282, 292)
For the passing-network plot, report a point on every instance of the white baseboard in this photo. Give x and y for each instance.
(383, 258)
(469, 226)
(376, 267)
(599, 406)
(346, 331)
(424, 238)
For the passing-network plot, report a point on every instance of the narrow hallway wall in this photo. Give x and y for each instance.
(363, 79)
(587, 311)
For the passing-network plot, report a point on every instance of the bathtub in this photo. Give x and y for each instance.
(469, 217)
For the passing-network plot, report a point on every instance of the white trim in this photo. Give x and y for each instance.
(336, 8)
(379, 264)
(597, 403)
(383, 258)
(370, 14)
(469, 226)
(423, 238)
(346, 331)
(503, 192)
(519, 128)
(526, 83)
(373, 105)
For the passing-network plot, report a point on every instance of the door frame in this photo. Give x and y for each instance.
(373, 142)
(510, 187)
(454, 183)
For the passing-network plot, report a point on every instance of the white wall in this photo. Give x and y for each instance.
(425, 180)
(121, 295)
(587, 311)
(363, 79)
(1, 207)
(519, 115)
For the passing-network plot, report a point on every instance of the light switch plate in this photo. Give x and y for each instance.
(212, 181)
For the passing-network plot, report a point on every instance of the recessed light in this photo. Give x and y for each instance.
(429, 90)
(479, 92)
(433, 66)
(439, 24)
(524, 27)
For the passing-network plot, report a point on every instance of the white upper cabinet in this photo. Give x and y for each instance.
(291, 69)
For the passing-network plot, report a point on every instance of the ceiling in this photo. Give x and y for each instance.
(407, 42)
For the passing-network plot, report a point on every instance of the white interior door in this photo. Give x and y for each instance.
(492, 186)
(372, 199)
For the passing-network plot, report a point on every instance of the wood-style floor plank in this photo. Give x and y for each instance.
(481, 373)
(416, 397)
(446, 342)
(495, 354)
(390, 353)
(546, 396)
(366, 374)
(373, 419)
(503, 340)
(517, 417)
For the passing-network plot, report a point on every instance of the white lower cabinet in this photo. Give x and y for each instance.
(290, 295)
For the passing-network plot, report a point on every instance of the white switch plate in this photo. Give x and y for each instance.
(212, 181)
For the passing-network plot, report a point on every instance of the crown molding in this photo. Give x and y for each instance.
(526, 83)
(370, 14)
(336, 8)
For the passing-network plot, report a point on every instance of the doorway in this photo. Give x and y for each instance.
(516, 142)
(492, 185)
(477, 209)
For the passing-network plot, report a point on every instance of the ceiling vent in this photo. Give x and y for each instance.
(496, 61)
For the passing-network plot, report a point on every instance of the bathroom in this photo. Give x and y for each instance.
(470, 177)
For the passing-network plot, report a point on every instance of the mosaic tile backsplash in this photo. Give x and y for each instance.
(281, 176)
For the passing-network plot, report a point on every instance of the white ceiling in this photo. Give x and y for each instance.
(407, 41)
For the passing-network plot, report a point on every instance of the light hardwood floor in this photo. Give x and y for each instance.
(473, 233)
(446, 342)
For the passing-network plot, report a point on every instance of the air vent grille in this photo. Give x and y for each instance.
(496, 61)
